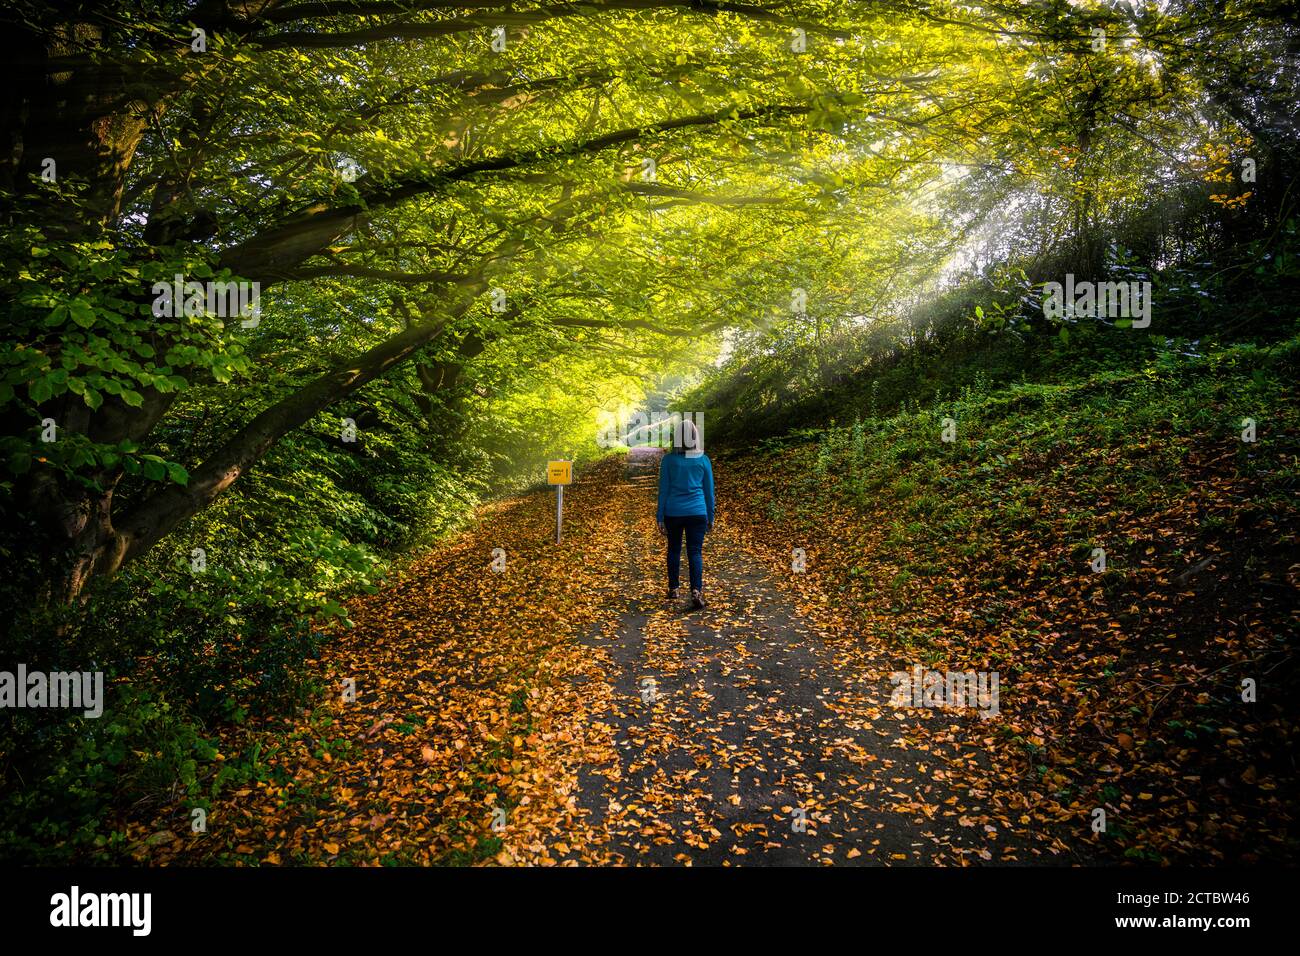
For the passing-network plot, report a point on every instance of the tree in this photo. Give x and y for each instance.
(166, 147)
(593, 174)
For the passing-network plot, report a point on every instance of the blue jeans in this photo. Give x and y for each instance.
(694, 526)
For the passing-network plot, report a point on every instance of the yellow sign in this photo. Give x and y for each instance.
(559, 472)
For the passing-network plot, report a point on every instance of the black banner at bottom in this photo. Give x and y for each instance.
(339, 906)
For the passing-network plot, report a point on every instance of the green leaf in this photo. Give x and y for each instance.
(82, 312)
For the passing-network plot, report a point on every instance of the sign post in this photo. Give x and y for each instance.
(559, 473)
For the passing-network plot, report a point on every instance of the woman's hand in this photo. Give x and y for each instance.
(662, 528)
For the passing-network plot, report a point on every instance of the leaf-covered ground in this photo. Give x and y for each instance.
(526, 691)
(1121, 690)
(561, 711)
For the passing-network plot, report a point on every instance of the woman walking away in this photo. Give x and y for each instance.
(686, 507)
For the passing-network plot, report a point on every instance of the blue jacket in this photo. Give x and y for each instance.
(685, 486)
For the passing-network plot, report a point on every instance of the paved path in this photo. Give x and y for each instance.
(739, 740)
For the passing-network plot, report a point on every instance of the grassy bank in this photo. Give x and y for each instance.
(1122, 684)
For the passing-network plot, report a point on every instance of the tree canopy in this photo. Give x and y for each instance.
(486, 222)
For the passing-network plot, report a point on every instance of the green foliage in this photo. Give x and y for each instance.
(80, 324)
(142, 748)
(1016, 440)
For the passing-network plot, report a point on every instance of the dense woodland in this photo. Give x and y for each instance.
(478, 229)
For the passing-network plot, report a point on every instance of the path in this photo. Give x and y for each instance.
(739, 740)
(558, 710)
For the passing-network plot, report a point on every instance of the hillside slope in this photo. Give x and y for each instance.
(1122, 684)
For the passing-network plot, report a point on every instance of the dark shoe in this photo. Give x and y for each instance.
(674, 593)
(697, 600)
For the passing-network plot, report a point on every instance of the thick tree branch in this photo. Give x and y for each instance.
(161, 513)
(273, 255)
(494, 16)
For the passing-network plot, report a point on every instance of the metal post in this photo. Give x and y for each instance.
(559, 511)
